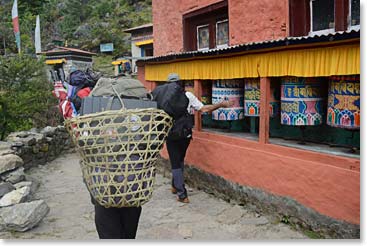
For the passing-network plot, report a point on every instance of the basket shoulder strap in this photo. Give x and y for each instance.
(109, 103)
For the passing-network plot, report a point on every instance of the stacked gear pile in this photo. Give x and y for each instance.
(70, 91)
(119, 148)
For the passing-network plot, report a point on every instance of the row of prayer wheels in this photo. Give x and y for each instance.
(301, 100)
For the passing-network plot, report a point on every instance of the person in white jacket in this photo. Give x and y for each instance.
(177, 147)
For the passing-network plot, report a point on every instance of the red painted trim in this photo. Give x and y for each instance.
(341, 15)
(264, 110)
(198, 93)
(205, 10)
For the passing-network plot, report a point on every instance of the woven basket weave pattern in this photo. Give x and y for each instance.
(119, 151)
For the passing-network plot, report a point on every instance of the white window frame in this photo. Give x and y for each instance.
(350, 27)
(216, 33)
(197, 37)
(320, 32)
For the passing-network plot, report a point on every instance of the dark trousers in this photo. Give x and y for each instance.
(117, 223)
(177, 152)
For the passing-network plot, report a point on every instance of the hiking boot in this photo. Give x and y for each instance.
(173, 190)
(183, 200)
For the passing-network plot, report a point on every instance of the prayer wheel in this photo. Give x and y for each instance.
(344, 102)
(231, 90)
(301, 101)
(252, 98)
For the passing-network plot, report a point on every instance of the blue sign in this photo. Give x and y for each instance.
(106, 47)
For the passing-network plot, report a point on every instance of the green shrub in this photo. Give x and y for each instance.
(25, 94)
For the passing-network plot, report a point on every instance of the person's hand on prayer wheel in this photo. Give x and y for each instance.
(227, 104)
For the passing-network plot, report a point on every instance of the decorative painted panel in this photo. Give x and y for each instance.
(231, 90)
(252, 98)
(301, 101)
(344, 102)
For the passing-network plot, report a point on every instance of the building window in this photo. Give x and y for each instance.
(354, 14)
(322, 16)
(203, 37)
(222, 33)
(200, 27)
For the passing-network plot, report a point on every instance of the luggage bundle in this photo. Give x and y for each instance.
(119, 135)
(71, 90)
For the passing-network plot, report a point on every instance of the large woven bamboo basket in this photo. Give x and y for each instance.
(119, 152)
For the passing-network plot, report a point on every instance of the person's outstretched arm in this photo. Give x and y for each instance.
(212, 107)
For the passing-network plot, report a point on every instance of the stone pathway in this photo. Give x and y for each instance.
(205, 218)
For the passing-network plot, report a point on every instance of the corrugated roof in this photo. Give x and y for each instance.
(139, 27)
(60, 49)
(288, 41)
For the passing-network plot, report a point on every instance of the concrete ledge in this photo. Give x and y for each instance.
(281, 207)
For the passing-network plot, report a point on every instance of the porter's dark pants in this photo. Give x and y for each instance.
(177, 151)
(117, 223)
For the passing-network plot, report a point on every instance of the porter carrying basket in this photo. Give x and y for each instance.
(119, 150)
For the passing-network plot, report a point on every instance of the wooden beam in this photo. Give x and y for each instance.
(198, 92)
(264, 110)
(341, 15)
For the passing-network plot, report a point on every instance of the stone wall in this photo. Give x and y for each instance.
(281, 208)
(37, 146)
(21, 151)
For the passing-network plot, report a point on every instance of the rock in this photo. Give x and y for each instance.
(35, 149)
(83, 30)
(15, 196)
(9, 162)
(23, 216)
(44, 147)
(34, 130)
(27, 138)
(5, 188)
(231, 215)
(17, 144)
(5, 148)
(254, 221)
(48, 131)
(49, 139)
(14, 176)
(7, 152)
(22, 134)
(40, 138)
(33, 185)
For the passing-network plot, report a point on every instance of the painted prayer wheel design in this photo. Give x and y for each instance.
(231, 90)
(301, 101)
(344, 102)
(252, 98)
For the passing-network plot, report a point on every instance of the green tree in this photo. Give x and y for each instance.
(25, 94)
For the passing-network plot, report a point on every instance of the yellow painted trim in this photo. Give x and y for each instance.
(119, 62)
(56, 61)
(325, 61)
(148, 41)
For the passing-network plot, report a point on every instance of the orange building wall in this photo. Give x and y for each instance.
(326, 183)
(249, 21)
(256, 21)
